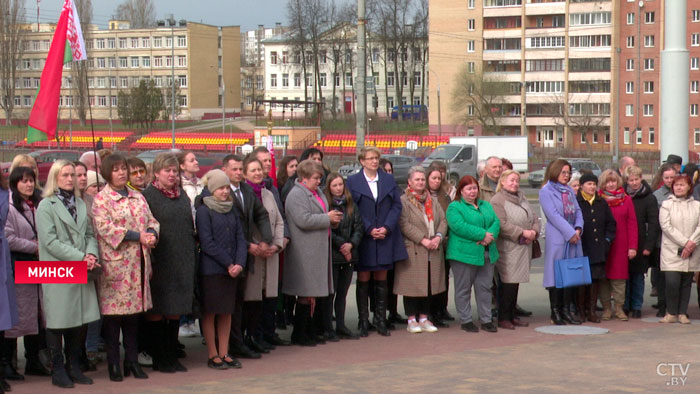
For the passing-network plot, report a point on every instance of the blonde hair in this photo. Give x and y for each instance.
(609, 175)
(307, 168)
(165, 160)
(505, 175)
(368, 149)
(52, 180)
(21, 160)
(634, 170)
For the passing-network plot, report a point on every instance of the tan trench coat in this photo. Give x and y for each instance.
(516, 216)
(265, 274)
(122, 288)
(411, 275)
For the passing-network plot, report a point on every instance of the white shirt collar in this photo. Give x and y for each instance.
(375, 179)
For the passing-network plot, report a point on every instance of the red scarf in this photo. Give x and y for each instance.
(172, 194)
(613, 198)
(422, 200)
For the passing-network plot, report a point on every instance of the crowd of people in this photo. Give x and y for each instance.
(246, 253)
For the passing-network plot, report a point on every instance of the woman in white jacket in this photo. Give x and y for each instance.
(679, 218)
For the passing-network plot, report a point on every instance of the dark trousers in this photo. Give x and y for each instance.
(236, 337)
(268, 321)
(415, 306)
(438, 302)
(129, 327)
(678, 286)
(508, 298)
(658, 279)
(323, 314)
(391, 298)
(342, 278)
(252, 313)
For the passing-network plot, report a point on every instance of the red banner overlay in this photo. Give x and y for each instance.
(51, 272)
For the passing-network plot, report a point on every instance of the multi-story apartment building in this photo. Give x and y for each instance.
(204, 59)
(554, 58)
(253, 63)
(395, 75)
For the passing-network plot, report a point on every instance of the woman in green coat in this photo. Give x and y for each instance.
(472, 252)
(65, 234)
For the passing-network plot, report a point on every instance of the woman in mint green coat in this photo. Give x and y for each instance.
(472, 253)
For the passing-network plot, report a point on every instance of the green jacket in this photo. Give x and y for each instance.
(468, 226)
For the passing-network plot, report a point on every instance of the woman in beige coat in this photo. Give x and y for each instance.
(423, 226)
(261, 282)
(679, 218)
(520, 226)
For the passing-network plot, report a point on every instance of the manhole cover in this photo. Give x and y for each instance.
(572, 330)
(656, 320)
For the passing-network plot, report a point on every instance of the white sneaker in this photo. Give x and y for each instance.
(145, 360)
(427, 326)
(195, 327)
(413, 327)
(184, 331)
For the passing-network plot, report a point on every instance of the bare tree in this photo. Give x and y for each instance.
(139, 13)
(12, 34)
(583, 115)
(80, 69)
(421, 43)
(395, 29)
(299, 37)
(478, 99)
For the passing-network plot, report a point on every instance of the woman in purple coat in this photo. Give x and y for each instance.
(8, 300)
(564, 225)
(379, 202)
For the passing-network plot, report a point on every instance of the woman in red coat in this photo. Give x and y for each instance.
(623, 248)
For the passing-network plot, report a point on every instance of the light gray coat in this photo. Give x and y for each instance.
(62, 239)
(307, 264)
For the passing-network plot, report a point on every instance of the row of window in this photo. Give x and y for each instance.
(95, 101)
(649, 17)
(535, 65)
(295, 58)
(323, 79)
(639, 136)
(649, 64)
(590, 18)
(112, 43)
(136, 62)
(389, 100)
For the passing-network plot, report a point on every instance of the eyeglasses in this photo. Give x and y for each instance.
(371, 158)
(565, 172)
(140, 171)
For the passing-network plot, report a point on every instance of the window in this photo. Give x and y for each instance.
(630, 18)
(629, 65)
(157, 42)
(273, 57)
(471, 46)
(544, 65)
(693, 63)
(122, 43)
(113, 82)
(588, 64)
(322, 78)
(630, 41)
(168, 42)
(404, 78)
(336, 79)
(470, 5)
(101, 63)
(590, 18)
(649, 17)
(648, 109)
(390, 79)
(157, 61)
(168, 61)
(697, 136)
(297, 79)
(649, 41)
(322, 56)
(146, 62)
(285, 80)
(134, 62)
(158, 81)
(607, 136)
(648, 87)
(27, 101)
(101, 83)
(348, 79)
(694, 86)
(696, 16)
(545, 87)
(546, 42)
(114, 101)
(123, 62)
(182, 81)
(111, 44)
(111, 62)
(100, 43)
(471, 24)
(134, 42)
(123, 82)
(417, 78)
(583, 137)
(695, 39)
(693, 110)
(638, 136)
(629, 87)
(629, 110)
(309, 80)
(470, 110)
(145, 42)
(626, 136)
(273, 80)
(595, 137)
(648, 64)
(182, 41)
(182, 61)
(375, 55)
(285, 57)
(595, 86)
(471, 67)
(652, 136)
(101, 101)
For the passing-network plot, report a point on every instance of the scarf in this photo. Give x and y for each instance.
(568, 201)
(68, 200)
(215, 205)
(339, 201)
(172, 194)
(424, 202)
(134, 188)
(642, 190)
(613, 198)
(588, 197)
(257, 188)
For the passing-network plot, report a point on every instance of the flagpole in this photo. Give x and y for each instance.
(92, 128)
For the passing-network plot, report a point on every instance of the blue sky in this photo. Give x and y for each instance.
(245, 13)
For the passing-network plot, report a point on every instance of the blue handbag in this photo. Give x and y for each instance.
(572, 271)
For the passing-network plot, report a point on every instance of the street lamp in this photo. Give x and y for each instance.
(438, 103)
(171, 22)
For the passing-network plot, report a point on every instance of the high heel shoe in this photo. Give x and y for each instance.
(115, 373)
(135, 368)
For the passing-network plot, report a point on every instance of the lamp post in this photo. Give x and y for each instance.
(109, 81)
(438, 102)
(70, 111)
(171, 22)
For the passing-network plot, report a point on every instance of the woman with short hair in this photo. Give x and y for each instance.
(173, 262)
(378, 199)
(65, 234)
(307, 269)
(137, 174)
(126, 231)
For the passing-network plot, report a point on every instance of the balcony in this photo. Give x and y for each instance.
(502, 8)
(545, 8)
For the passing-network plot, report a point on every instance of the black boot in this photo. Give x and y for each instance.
(134, 368)
(157, 334)
(555, 307)
(59, 376)
(568, 316)
(115, 373)
(171, 350)
(380, 292)
(8, 347)
(302, 321)
(362, 297)
(73, 350)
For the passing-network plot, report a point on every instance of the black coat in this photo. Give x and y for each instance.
(599, 229)
(222, 241)
(349, 230)
(647, 211)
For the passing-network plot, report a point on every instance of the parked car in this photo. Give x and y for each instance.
(401, 166)
(537, 177)
(206, 161)
(46, 158)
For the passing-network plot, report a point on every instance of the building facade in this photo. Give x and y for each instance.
(396, 74)
(253, 64)
(204, 59)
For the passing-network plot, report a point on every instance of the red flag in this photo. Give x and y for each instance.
(273, 169)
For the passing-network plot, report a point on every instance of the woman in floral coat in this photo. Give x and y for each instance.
(125, 230)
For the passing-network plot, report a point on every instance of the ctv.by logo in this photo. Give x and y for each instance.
(676, 373)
